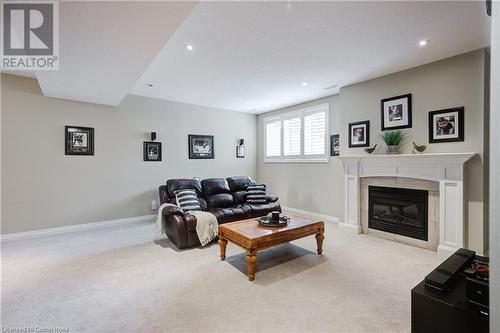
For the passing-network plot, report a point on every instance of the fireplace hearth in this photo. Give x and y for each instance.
(399, 211)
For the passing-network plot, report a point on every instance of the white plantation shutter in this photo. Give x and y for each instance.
(273, 139)
(291, 136)
(314, 133)
(297, 136)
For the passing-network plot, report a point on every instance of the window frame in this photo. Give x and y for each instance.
(299, 113)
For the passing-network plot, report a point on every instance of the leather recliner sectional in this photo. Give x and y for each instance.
(225, 198)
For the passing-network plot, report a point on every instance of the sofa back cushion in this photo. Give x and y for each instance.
(217, 193)
(238, 186)
(214, 186)
(256, 194)
(239, 183)
(221, 200)
(187, 200)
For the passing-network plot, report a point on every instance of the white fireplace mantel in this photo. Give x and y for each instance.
(445, 168)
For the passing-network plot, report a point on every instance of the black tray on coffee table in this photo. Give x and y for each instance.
(266, 221)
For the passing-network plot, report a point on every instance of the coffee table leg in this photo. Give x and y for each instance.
(222, 245)
(251, 258)
(319, 240)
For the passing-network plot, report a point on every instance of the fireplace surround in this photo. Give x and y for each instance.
(442, 174)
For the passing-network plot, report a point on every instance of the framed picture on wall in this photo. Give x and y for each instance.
(152, 151)
(201, 146)
(396, 112)
(446, 125)
(240, 151)
(335, 145)
(359, 134)
(78, 140)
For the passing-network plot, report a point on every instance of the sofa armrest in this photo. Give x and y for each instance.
(271, 198)
(172, 210)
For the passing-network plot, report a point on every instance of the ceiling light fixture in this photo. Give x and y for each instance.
(331, 87)
(423, 42)
(150, 85)
(189, 47)
(304, 84)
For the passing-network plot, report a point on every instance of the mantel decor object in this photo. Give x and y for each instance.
(371, 150)
(419, 148)
(393, 140)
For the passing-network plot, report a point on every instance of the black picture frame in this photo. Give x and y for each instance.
(194, 142)
(404, 109)
(335, 145)
(152, 151)
(458, 119)
(78, 140)
(240, 151)
(365, 125)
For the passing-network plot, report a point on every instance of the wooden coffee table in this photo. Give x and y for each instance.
(249, 235)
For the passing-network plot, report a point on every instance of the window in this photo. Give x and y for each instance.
(273, 139)
(291, 137)
(298, 136)
(314, 133)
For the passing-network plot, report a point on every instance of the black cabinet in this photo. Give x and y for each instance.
(433, 311)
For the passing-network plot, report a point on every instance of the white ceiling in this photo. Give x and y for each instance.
(104, 47)
(253, 56)
(249, 56)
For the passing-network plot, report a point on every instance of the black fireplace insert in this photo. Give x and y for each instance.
(398, 210)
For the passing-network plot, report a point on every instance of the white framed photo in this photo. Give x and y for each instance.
(396, 112)
(359, 134)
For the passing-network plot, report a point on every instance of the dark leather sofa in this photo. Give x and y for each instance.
(225, 198)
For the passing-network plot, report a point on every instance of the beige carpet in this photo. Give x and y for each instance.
(129, 279)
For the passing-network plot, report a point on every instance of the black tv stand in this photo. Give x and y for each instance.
(446, 311)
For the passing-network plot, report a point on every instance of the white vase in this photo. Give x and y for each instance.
(393, 149)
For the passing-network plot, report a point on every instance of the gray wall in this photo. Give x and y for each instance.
(315, 187)
(456, 81)
(42, 188)
(495, 175)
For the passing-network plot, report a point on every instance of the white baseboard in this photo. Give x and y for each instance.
(325, 218)
(350, 226)
(446, 250)
(76, 227)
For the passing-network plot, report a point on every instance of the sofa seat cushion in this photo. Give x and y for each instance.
(264, 209)
(230, 214)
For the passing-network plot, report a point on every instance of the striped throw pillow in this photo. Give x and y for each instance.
(256, 194)
(187, 200)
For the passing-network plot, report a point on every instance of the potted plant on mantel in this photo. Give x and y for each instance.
(393, 140)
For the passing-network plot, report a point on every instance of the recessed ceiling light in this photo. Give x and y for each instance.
(189, 47)
(423, 42)
(304, 84)
(331, 87)
(150, 85)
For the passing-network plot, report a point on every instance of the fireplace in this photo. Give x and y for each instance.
(399, 211)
